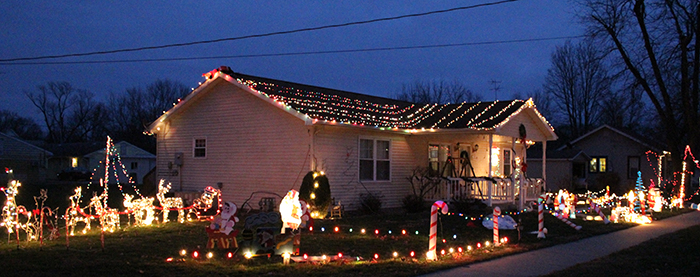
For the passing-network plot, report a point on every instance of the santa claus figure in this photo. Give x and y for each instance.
(290, 211)
(227, 220)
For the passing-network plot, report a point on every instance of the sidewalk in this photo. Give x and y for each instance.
(547, 260)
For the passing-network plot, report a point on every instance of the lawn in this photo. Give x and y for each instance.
(144, 250)
(673, 254)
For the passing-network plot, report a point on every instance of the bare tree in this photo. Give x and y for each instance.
(577, 82)
(135, 109)
(24, 127)
(441, 92)
(66, 111)
(656, 42)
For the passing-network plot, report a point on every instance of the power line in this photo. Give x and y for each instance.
(257, 35)
(296, 53)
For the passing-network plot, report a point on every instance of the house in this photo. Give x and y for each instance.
(28, 162)
(614, 156)
(70, 157)
(567, 167)
(250, 134)
(128, 158)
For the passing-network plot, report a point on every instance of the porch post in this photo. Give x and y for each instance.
(544, 166)
(512, 173)
(312, 147)
(489, 189)
(522, 176)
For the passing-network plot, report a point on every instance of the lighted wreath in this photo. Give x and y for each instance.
(316, 191)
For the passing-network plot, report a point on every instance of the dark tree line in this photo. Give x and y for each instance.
(74, 115)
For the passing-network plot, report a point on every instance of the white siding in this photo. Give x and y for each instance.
(337, 155)
(251, 146)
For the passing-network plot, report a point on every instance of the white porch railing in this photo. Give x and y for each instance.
(489, 190)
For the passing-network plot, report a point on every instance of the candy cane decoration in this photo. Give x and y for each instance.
(540, 216)
(496, 214)
(595, 207)
(563, 219)
(432, 255)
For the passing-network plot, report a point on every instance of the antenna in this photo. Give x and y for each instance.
(495, 87)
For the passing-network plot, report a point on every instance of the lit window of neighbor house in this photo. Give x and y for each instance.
(375, 163)
(598, 164)
(200, 148)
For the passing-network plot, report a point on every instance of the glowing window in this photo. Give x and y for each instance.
(74, 162)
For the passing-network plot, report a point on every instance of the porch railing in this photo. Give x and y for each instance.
(489, 190)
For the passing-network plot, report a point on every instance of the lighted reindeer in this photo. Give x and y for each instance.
(74, 213)
(142, 209)
(168, 203)
(16, 216)
(109, 218)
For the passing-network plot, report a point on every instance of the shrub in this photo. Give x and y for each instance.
(413, 203)
(317, 184)
(370, 203)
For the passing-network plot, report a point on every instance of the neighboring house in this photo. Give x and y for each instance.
(70, 156)
(567, 168)
(127, 158)
(252, 134)
(28, 162)
(615, 158)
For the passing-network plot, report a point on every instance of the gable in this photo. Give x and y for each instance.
(536, 127)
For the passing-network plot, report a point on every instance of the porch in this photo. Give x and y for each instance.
(489, 190)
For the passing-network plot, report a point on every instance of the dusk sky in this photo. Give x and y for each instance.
(41, 28)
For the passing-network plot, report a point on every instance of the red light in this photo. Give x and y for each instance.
(459, 249)
(505, 239)
(306, 257)
(376, 231)
(336, 229)
(403, 232)
(413, 254)
(340, 255)
(195, 254)
(478, 245)
(170, 259)
(444, 241)
(376, 256)
(311, 228)
(229, 255)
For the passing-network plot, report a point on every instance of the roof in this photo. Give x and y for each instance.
(324, 105)
(73, 149)
(135, 152)
(628, 134)
(12, 135)
(553, 153)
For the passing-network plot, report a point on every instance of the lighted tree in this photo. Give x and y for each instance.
(316, 191)
(639, 188)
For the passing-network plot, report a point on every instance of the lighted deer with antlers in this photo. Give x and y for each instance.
(169, 203)
(142, 209)
(74, 213)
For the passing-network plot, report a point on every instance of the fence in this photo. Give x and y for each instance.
(489, 190)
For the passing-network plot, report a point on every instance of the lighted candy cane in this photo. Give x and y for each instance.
(595, 207)
(432, 255)
(496, 214)
(540, 216)
(563, 219)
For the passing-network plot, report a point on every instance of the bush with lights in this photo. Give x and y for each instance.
(316, 191)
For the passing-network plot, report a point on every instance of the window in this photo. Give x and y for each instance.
(375, 163)
(632, 167)
(134, 165)
(437, 160)
(74, 162)
(598, 164)
(200, 148)
(506, 163)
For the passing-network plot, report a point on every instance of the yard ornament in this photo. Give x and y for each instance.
(432, 243)
(221, 229)
(290, 211)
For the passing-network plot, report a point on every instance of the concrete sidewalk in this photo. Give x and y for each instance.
(547, 260)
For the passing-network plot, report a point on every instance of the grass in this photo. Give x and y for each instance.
(144, 250)
(672, 254)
